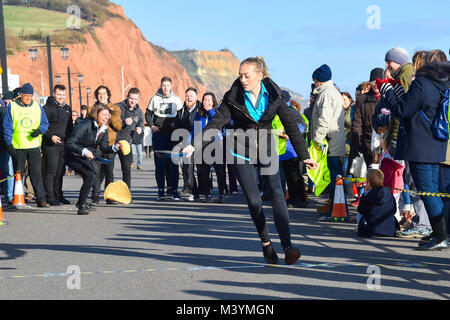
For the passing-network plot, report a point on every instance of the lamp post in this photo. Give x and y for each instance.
(3, 61)
(80, 79)
(88, 91)
(34, 55)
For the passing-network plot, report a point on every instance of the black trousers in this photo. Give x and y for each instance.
(190, 183)
(104, 172)
(88, 170)
(53, 171)
(205, 181)
(125, 163)
(294, 180)
(247, 177)
(33, 156)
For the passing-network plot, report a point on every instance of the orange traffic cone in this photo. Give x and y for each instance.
(19, 196)
(2, 219)
(339, 205)
(355, 190)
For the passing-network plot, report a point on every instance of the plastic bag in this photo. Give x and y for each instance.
(321, 176)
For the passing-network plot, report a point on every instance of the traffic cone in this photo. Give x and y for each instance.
(339, 205)
(355, 190)
(2, 219)
(19, 195)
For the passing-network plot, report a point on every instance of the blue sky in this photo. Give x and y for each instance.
(296, 37)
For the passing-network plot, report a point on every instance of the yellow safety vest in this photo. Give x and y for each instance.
(25, 121)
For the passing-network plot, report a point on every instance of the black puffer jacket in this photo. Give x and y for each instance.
(59, 119)
(233, 106)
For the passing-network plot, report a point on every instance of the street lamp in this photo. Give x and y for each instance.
(33, 54)
(58, 79)
(65, 53)
(80, 79)
(88, 91)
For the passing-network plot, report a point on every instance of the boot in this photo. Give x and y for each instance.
(440, 239)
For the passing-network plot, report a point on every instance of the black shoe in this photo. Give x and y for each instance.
(65, 201)
(94, 203)
(291, 255)
(424, 240)
(434, 245)
(111, 202)
(269, 254)
(54, 203)
(83, 210)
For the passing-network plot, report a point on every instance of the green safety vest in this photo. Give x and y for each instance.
(279, 142)
(25, 121)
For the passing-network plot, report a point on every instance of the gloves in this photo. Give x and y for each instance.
(383, 85)
(398, 89)
(36, 133)
(11, 150)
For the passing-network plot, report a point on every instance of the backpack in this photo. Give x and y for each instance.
(440, 126)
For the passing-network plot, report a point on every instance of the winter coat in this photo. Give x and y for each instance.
(162, 111)
(186, 118)
(114, 124)
(60, 121)
(128, 131)
(328, 118)
(418, 143)
(393, 174)
(233, 106)
(362, 122)
(84, 136)
(378, 208)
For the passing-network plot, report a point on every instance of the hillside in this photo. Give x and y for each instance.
(100, 57)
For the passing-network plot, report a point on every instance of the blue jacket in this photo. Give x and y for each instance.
(424, 93)
(8, 126)
(378, 209)
(204, 120)
(290, 152)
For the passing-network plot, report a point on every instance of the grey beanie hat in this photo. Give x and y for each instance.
(397, 55)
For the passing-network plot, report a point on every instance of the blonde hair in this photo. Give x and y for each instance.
(418, 59)
(435, 56)
(260, 64)
(375, 177)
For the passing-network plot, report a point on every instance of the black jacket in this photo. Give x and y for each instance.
(59, 119)
(128, 131)
(233, 106)
(378, 209)
(185, 119)
(84, 136)
(417, 143)
(362, 122)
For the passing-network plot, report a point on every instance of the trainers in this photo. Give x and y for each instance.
(190, 198)
(291, 255)
(269, 254)
(161, 195)
(176, 196)
(139, 167)
(433, 245)
(414, 233)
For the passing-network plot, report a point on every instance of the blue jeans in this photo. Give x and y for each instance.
(444, 187)
(136, 149)
(426, 179)
(6, 167)
(406, 195)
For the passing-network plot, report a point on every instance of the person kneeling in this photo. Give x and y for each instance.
(87, 142)
(377, 208)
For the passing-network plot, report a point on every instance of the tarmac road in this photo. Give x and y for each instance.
(170, 250)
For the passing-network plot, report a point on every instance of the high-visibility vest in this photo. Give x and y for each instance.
(306, 121)
(278, 129)
(25, 121)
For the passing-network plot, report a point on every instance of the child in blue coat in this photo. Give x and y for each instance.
(377, 208)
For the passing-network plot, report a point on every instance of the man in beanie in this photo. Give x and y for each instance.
(328, 123)
(397, 62)
(23, 126)
(362, 119)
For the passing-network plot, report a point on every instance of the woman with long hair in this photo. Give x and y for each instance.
(205, 113)
(252, 103)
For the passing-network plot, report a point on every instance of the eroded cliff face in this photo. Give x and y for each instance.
(217, 70)
(118, 43)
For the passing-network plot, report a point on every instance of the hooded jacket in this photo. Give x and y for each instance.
(233, 106)
(328, 119)
(418, 143)
(162, 111)
(129, 131)
(378, 208)
(362, 122)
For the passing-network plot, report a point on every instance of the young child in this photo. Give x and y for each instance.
(377, 208)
